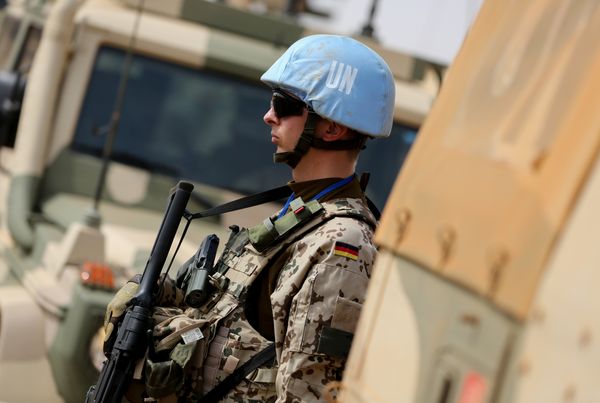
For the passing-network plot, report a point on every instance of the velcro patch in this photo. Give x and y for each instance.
(335, 342)
(346, 250)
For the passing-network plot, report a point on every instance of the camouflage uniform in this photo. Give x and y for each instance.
(321, 269)
(319, 289)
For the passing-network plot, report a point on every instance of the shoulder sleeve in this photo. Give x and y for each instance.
(325, 302)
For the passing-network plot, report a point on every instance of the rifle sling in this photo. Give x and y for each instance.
(267, 196)
(224, 387)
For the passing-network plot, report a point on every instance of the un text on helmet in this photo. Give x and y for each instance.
(341, 76)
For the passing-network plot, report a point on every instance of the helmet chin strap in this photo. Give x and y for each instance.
(307, 140)
(292, 158)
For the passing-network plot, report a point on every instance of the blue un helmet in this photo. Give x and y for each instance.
(340, 79)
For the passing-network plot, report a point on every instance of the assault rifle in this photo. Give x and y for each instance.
(133, 335)
(192, 277)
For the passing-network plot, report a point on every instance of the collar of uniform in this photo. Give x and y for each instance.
(308, 189)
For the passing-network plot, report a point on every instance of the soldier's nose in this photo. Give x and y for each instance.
(270, 117)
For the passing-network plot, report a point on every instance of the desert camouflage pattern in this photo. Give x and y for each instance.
(169, 295)
(117, 306)
(315, 289)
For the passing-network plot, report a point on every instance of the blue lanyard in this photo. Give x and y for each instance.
(322, 193)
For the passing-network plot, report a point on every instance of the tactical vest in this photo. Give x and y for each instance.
(208, 343)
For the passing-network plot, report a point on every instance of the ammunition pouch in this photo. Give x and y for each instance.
(178, 340)
(163, 378)
(268, 233)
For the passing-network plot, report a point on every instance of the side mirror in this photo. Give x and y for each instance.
(12, 88)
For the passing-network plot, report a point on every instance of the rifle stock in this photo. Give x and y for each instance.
(133, 336)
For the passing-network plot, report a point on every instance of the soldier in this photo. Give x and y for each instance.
(288, 292)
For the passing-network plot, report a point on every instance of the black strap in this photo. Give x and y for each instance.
(373, 208)
(245, 202)
(364, 181)
(356, 143)
(260, 198)
(292, 158)
(224, 387)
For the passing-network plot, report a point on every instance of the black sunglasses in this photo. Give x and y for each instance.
(286, 105)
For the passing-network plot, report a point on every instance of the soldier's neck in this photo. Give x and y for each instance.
(320, 164)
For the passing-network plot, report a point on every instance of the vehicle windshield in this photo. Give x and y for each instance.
(204, 126)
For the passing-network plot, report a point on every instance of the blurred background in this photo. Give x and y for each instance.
(106, 104)
(485, 286)
(430, 29)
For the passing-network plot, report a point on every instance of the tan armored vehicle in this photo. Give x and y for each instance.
(166, 92)
(486, 287)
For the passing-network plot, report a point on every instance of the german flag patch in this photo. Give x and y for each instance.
(346, 250)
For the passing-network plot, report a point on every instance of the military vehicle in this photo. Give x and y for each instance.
(485, 288)
(105, 104)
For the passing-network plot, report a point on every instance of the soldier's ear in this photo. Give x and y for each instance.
(334, 131)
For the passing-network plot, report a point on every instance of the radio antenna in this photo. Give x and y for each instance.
(93, 217)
